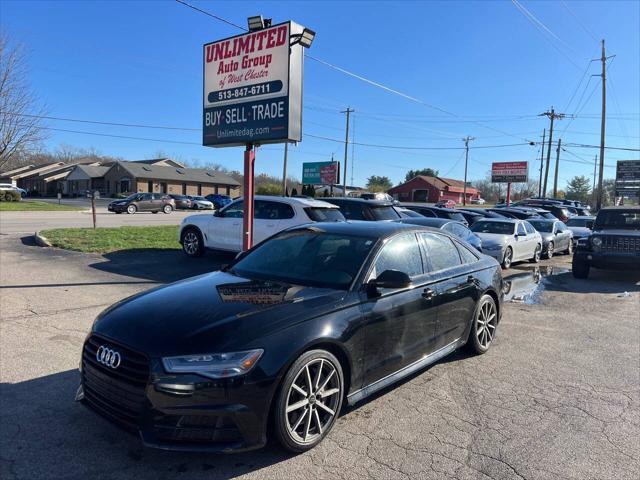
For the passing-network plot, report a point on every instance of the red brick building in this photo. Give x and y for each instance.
(432, 189)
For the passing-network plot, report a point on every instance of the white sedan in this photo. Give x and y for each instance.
(509, 240)
(223, 229)
(198, 202)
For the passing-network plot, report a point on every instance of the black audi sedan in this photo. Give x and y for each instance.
(311, 318)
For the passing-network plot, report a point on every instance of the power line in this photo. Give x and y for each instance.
(364, 79)
(543, 28)
(579, 22)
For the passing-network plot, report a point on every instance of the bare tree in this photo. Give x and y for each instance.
(20, 123)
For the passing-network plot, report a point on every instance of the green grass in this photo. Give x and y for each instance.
(34, 205)
(105, 240)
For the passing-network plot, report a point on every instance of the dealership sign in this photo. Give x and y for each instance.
(320, 173)
(509, 172)
(628, 178)
(253, 88)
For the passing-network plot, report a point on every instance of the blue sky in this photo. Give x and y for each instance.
(485, 62)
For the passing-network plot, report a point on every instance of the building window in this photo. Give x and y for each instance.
(150, 186)
(125, 185)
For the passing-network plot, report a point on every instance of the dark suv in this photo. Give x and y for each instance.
(438, 212)
(614, 243)
(144, 202)
(361, 209)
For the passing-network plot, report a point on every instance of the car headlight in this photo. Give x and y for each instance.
(596, 243)
(214, 365)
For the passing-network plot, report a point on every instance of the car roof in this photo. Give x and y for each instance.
(542, 220)
(501, 220)
(364, 201)
(430, 207)
(583, 217)
(427, 221)
(630, 207)
(304, 202)
(362, 228)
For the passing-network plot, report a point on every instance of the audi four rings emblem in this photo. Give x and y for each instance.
(108, 357)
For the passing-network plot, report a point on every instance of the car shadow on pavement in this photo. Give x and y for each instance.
(160, 265)
(46, 434)
(599, 281)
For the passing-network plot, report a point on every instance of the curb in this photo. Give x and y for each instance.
(41, 241)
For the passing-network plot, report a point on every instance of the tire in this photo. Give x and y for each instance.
(507, 259)
(569, 250)
(317, 399)
(536, 255)
(118, 213)
(550, 251)
(192, 243)
(167, 209)
(580, 269)
(154, 212)
(484, 326)
(131, 209)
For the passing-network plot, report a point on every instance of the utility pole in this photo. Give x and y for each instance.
(552, 115)
(466, 141)
(346, 149)
(541, 163)
(593, 190)
(284, 170)
(555, 176)
(603, 59)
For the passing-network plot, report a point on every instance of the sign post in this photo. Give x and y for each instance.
(252, 95)
(509, 172)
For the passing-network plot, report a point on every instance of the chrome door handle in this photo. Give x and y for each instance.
(427, 293)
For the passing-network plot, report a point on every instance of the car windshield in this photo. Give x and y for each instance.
(323, 214)
(542, 226)
(384, 213)
(133, 196)
(198, 198)
(628, 219)
(457, 217)
(309, 257)
(578, 222)
(502, 228)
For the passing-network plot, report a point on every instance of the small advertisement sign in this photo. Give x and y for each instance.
(320, 173)
(509, 172)
(628, 178)
(253, 88)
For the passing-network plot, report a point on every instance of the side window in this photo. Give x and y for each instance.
(529, 228)
(265, 210)
(401, 253)
(521, 230)
(426, 213)
(457, 229)
(466, 254)
(147, 196)
(442, 252)
(352, 211)
(234, 210)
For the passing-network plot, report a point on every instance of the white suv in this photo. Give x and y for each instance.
(223, 229)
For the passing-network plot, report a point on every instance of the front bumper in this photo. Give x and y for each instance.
(182, 412)
(608, 260)
(117, 208)
(498, 253)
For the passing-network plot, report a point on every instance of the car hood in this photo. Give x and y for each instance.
(580, 231)
(617, 231)
(493, 238)
(215, 312)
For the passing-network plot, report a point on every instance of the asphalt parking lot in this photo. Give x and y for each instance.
(556, 397)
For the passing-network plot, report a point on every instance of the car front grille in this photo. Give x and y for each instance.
(194, 428)
(621, 244)
(116, 393)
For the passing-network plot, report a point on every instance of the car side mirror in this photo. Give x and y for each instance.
(589, 225)
(390, 279)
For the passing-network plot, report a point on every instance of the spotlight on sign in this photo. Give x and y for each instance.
(305, 38)
(258, 23)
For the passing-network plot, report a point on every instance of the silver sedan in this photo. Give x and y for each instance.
(509, 240)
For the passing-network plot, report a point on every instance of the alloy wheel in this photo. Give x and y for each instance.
(190, 243)
(486, 322)
(550, 250)
(312, 401)
(508, 255)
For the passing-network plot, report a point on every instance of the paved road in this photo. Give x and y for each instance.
(557, 396)
(28, 222)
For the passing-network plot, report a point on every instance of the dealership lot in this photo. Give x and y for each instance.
(556, 397)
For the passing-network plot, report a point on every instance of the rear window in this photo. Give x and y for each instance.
(578, 222)
(323, 214)
(458, 217)
(502, 228)
(546, 227)
(384, 213)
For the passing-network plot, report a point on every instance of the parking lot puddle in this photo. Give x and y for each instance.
(527, 287)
